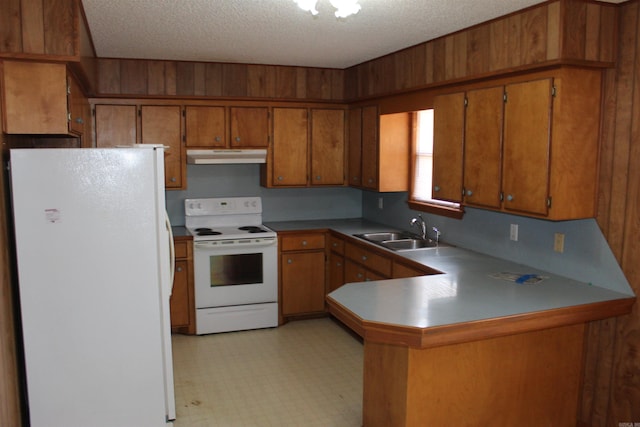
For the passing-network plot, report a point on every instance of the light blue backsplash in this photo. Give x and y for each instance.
(586, 257)
(284, 204)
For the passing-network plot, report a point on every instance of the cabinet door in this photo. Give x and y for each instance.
(179, 302)
(355, 147)
(327, 147)
(303, 278)
(79, 110)
(483, 147)
(115, 125)
(448, 138)
(160, 124)
(370, 147)
(35, 98)
(290, 146)
(249, 127)
(205, 126)
(527, 119)
(336, 271)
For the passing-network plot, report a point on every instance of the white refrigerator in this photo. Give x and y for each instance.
(94, 259)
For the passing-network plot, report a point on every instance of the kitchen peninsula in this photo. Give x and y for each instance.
(467, 348)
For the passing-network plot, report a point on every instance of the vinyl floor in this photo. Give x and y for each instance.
(304, 373)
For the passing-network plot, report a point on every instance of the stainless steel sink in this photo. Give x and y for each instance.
(399, 240)
(386, 236)
(409, 244)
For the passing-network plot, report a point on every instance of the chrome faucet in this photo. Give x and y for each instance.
(419, 222)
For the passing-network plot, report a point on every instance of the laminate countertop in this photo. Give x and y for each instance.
(474, 296)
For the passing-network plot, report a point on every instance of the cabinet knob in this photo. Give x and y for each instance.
(179, 269)
(218, 139)
(436, 188)
(364, 257)
(359, 275)
(79, 120)
(318, 177)
(289, 261)
(237, 139)
(304, 243)
(280, 178)
(338, 264)
(370, 180)
(509, 197)
(469, 193)
(335, 245)
(173, 179)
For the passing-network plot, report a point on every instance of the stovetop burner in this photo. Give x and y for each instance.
(205, 231)
(252, 229)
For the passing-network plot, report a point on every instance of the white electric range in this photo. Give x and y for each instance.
(235, 264)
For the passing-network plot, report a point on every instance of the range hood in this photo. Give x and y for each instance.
(230, 156)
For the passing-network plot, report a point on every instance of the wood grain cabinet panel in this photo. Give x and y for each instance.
(249, 127)
(327, 147)
(290, 147)
(161, 124)
(182, 302)
(448, 139)
(35, 98)
(115, 125)
(483, 147)
(308, 148)
(302, 273)
(379, 148)
(205, 126)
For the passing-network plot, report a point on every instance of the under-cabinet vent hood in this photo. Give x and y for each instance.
(216, 157)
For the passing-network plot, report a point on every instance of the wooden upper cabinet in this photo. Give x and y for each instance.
(35, 98)
(379, 150)
(527, 125)
(161, 124)
(206, 127)
(249, 127)
(327, 147)
(115, 125)
(483, 147)
(448, 140)
(290, 147)
(369, 147)
(354, 172)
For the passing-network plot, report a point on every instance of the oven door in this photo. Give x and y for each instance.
(235, 274)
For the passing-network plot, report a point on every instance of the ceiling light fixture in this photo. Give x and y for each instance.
(344, 8)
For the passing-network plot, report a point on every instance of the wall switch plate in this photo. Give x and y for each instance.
(380, 203)
(513, 234)
(558, 242)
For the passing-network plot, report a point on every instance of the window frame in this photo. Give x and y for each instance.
(422, 205)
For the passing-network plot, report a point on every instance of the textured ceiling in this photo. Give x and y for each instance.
(276, 31)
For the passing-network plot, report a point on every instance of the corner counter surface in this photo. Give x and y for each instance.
(465, 301)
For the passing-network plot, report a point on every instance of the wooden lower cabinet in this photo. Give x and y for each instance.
(182, 303)
(302, 273)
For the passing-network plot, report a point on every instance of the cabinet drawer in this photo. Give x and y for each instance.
(182, 249)
(301, 242)
(336, 245)
(369, 259)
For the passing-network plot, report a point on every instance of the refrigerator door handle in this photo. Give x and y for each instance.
(172, 253)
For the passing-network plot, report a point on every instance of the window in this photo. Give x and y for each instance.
(421, 197)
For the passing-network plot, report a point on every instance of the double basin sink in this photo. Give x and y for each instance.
(399, 240)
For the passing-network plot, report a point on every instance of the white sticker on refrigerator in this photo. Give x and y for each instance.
(52, 215)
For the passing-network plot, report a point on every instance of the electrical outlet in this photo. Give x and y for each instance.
(380, 203)
(513, 234)
(558, 242)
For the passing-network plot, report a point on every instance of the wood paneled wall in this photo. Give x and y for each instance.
(44, 28)
(209, 79)
(611, 391)
(568, 31)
